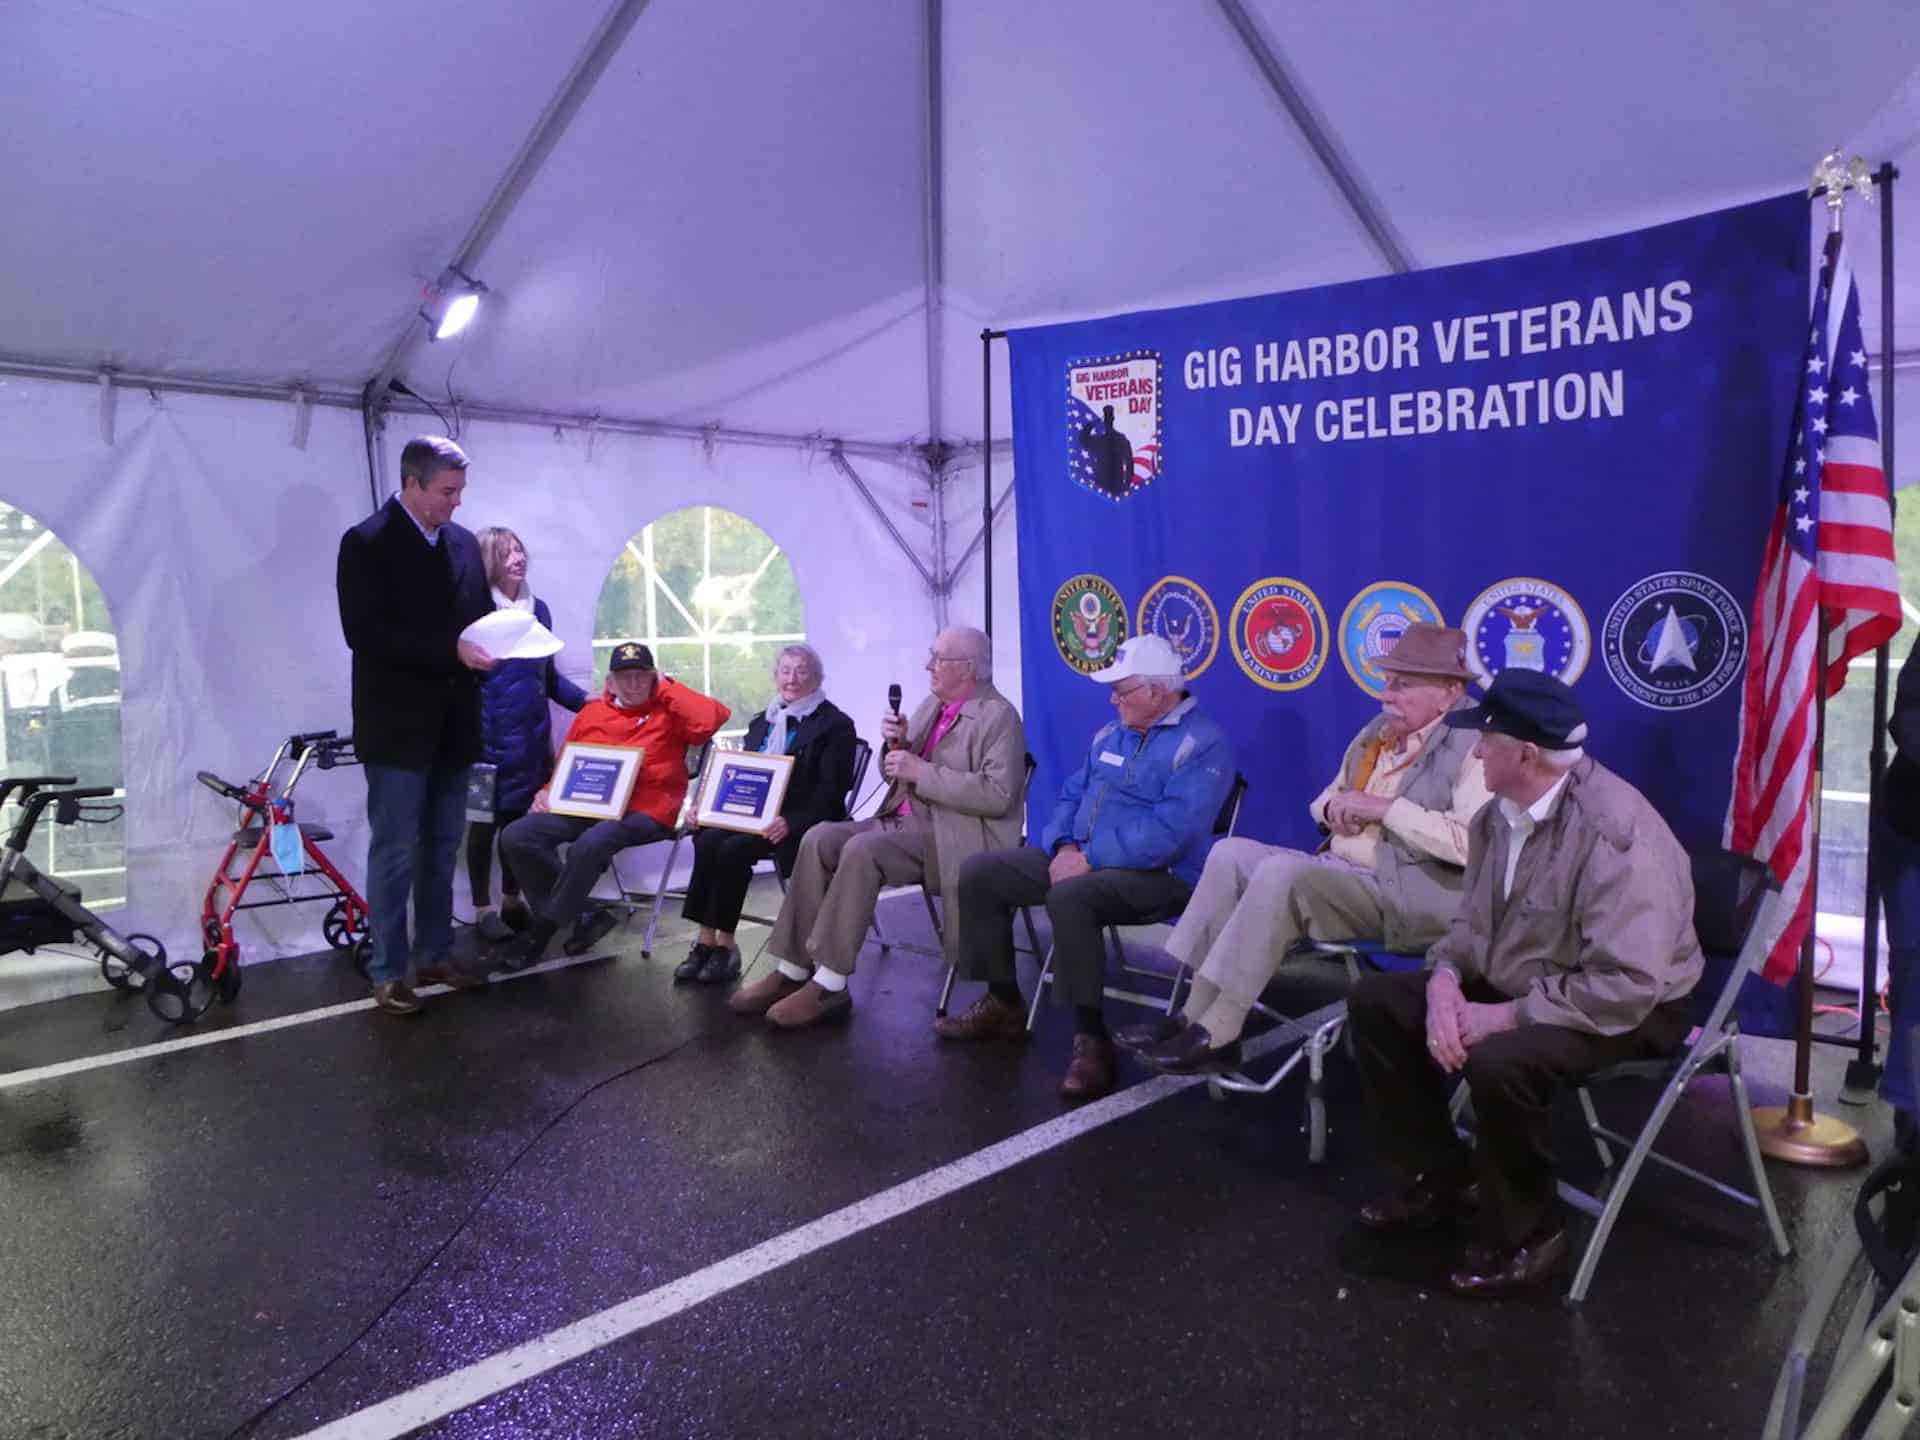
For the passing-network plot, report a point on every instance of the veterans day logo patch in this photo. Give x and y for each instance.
(1279, 633)
(1373, 623)
(1674, 640)
(1181, 613)
(1089, 622)
(1526, 624)
(1113, 422)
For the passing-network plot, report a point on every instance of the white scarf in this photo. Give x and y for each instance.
(778, 715)
(525, 602)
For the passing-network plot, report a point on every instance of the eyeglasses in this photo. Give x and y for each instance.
(935, 658)
(1120, 694)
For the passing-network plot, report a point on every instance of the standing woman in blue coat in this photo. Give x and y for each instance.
(516, 734)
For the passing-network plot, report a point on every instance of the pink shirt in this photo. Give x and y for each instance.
(948, 714)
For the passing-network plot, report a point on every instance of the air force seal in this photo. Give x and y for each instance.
(1372, 625)
(1113, 422)
(1526, 624)
(1089, 622)
(1181, 613)
(1675, 640)
(1279, 633)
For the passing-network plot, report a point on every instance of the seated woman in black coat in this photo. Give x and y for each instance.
(800, 722)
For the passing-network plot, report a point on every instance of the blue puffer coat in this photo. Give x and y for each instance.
(1147, 802)
(516, 729)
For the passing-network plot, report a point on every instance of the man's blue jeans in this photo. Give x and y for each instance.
(1896, 862)
(416, 817)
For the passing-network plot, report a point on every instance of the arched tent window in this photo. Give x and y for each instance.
(714, 597)
(60, 694)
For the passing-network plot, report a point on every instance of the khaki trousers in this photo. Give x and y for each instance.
(841, 869)
(1253, 905)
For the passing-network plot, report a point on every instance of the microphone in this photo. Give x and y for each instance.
(893, 700)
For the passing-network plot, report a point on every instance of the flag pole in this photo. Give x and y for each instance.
(1794, 1132)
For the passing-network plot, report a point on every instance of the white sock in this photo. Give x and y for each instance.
(832, 981)
(792, 971)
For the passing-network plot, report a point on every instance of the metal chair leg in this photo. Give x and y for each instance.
(1033, 935)
(946, 993)
(659, 898)
(1592, 1118)
(1749, 1142)
(1040, 988)
(1623, 1184)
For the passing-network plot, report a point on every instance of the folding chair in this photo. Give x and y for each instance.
(632, 899)
(1223, 827)
(1317, 1033)
(1731, 894)
(927, 894)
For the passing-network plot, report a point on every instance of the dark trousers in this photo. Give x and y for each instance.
(560, 892)
(1512, 1078)
(1896, 861)
(480, 835)
(413, 836)
(995, 883)
(723, 862)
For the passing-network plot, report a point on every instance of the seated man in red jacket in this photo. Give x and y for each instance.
(641, 708)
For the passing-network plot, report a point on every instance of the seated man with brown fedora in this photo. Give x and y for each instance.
(1391, 871)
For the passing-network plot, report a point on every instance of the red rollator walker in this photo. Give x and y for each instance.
(262, 806)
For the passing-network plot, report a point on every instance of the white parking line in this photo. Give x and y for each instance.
(436, 1399)
(17, 1078)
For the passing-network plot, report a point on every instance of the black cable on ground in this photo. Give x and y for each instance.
(427, 1264)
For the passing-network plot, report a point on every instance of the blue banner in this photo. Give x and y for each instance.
(1571, 454)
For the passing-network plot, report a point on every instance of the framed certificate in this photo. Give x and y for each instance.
(593, 781)
(742, 790)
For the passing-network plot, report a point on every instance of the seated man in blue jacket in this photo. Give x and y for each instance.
(1125, 845)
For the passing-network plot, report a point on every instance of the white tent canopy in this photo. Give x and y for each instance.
(723, 239)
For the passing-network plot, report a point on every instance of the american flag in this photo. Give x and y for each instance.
(1829, 555)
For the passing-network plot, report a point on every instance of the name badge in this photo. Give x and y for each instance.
(1107, 757)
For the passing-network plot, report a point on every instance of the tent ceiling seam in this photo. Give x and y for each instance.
(1322, 141)
(933, 179)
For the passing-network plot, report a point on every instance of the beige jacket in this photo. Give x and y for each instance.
(974, 791)
(1599, 927)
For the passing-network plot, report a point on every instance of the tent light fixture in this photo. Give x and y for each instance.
(452, 302)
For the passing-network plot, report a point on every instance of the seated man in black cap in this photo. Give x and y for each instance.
(1573, 949)
(641, 709)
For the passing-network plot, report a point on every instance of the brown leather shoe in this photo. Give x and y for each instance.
(1428, 1202)
(1192, 1052)
(1487, 1273)
(1135, 1038)
(988, 1018)
(450, 975)
(809, 1005)
(1090, 1075)
(759, 997)
(396, 998)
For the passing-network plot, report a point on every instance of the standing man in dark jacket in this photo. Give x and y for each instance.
(409, 582)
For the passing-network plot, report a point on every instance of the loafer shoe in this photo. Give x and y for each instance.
(450, 975)
(763, 994)
(722, 966)
(1192, 1052)
(589, 930)
(988, 1018)
(809, 1005)
(1135, 1038)
(396, 997)
(1425, 1203)
(1487, 1273)
(1090, 1072)
(690, 968)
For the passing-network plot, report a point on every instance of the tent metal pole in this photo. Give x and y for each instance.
(860, 486)
(1345, 179)
(986, 471)
(370, 435)
(934, 179)
(1863, 1072)
(534, 150)
(943, 578)
(985, 533)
